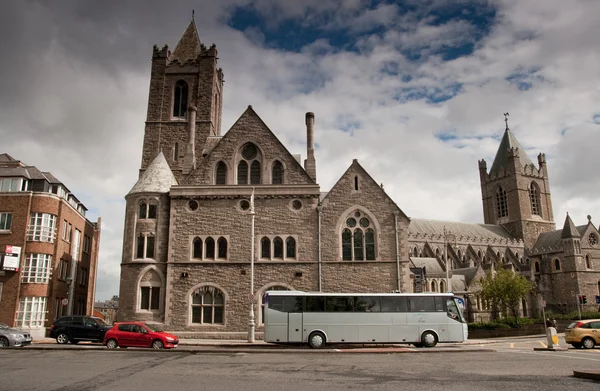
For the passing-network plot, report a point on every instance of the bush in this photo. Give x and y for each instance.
(574, 315)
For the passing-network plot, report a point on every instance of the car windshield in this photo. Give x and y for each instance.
(571, 325)
(100, 321)
(154, 327)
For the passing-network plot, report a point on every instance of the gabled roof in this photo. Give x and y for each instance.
(569, 230)
(157, 178)
(468, 272)
(432, 265)
(6, 158)
(480, 231)
(548, 242)
(188, 47)
(509, 141)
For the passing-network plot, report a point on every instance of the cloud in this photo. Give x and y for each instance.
(415, 91)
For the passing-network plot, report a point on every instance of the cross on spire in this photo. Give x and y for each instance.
(506, 119)
(192, 14)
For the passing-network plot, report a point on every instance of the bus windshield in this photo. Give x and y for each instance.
(454, 310)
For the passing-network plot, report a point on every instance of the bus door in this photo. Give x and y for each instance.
(294, 326)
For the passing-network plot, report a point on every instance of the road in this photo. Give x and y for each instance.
(514, 365)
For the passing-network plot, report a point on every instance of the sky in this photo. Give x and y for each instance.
(415, 90)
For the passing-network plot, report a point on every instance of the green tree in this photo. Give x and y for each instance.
(504, 290)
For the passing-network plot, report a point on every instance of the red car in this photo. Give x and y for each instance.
(138, 335)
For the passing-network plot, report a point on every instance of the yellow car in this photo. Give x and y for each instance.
(585, 333)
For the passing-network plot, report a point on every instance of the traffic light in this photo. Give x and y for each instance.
(583, 299)
(580, 299)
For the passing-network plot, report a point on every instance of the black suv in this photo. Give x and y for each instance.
(77, 328)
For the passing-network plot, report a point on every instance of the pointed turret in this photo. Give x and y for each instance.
(509, 142)
(569, 230)
(188, 47)
(158, 177)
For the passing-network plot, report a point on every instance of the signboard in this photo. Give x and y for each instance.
(12, 258)
(419, 273)
(64, 301)
(461, 302)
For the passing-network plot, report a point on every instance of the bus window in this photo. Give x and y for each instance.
(285, 303)
(338, 304)
(439, 304)
(453, 311)
(422, 304)
(394, 304)
(315, 304)
(366, 304)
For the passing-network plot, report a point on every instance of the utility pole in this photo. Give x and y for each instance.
(251, 324)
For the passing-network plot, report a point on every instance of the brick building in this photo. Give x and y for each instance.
(48, 249)
(187, 237)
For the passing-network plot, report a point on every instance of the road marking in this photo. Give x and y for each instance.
(543, 344)
(512, 345)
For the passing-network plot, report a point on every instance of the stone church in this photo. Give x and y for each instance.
(188, 240)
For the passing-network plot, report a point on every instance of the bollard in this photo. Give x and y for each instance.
(552, 337)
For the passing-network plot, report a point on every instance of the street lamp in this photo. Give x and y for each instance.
(251, 325)
(447, 236)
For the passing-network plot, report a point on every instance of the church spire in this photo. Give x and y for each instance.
(188, 47)
(509, 142)
(569, 230)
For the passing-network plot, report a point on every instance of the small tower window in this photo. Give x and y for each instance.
(534, 198)
(501, 202)
(556, 264)
(588, 261)
(221, 174)
(176, 152)
(356, 182)
(180, 99)
(277, 173)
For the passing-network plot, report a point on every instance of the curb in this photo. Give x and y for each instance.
(587, 375)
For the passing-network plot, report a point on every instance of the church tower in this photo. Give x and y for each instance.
(516, 193)
(184, 103)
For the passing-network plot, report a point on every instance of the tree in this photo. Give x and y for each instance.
(505, 289)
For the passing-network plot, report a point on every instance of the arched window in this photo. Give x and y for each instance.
(197, 251)
(443, 286)
(277, 173)
(249, 156)
(588, 261)
(501, 202)
(210, 248)
(149, 291)
(176, 152)
(242, 173)
(534, 198)
(415, 252)
(143, 210)
(147, 210)
(290, 247)
(207, 306)
(358, 238)
(536, 266)
(180, 99)
(278, 248)
(265, 248)
(433, 286)
(222, 248)
(556, 265)
(262, 303)
(221, 174)
(479, 254)
(437, 252)
(145, 246)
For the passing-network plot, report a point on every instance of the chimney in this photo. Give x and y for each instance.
(189, 163)
(310, 164)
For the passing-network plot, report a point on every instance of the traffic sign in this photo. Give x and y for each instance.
(64, 301)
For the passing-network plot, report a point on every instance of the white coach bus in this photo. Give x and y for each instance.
(421, 319)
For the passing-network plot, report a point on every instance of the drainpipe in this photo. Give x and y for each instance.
(319, 211)
(397, 250)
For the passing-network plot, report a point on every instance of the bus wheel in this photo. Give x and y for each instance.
(429, 339)
(316, 340)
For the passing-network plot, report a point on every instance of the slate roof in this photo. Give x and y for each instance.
(509, 141)
(469, 274)
(471, 230)
(552, 241)
(188, 47)
(459, 283)
(569, 230)
(5, 157)
(432, 265)
(157, 178)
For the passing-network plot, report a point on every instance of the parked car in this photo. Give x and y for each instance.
(75, 328)
(585, 333)
(139, 335)
(10, 336)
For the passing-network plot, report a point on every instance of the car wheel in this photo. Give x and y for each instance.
(112, 344)
(4, 342)
(316, 340)
(576, 345)
(588, 343)
(62, 338)
(428, 339)
(157, 345)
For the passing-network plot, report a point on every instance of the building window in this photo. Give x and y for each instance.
(249, 157)
(180, 98)
(32, 312)
(443, 286)
(501, 202)
(210, 249)
(87, 244)
(277, 248)
(176, 152)
(415, 252)
(197, 248)
(66, 231)
(534, 198)
(63, 269)
(588, 261)
(208, 306)
(5, 221)
(536, 266)
(147, 210)
(356, 182)
(433, 286)
(358, 238)
(262, 302)
(221, 174)
(277, 173)
(83, 276)
(222, 248)
(265, 248)
(41, 227)
(145, 247)
(36, 268)
(556, 265)
(150, 298)
(290, 247)
(13, 184)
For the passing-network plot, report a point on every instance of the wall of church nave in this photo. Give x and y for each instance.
(134, 276)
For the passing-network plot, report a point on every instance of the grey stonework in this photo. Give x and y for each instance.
(191, 205)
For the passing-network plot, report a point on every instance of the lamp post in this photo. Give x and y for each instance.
(446, 237)
(251, 324)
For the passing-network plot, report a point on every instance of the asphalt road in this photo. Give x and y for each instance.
(509, 368)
